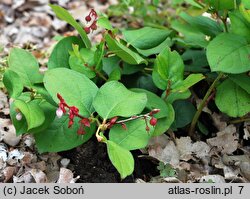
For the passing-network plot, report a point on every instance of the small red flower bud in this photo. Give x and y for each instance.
(154, 111)
(93, 13)
(87, 30)
(59, 97)
(153, 121)
(93, 26)
(74, 109)
(124, 126)
(71, 115)
(113, 120)
(88, 18)
(147, 128)
(71, 122)
(85, 122)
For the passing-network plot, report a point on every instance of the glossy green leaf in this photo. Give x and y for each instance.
(99, 54)
(221, 4)
(168, 69)
(182, 86)
(156, 49)
(134, 137)
(242, 80)
(154, 102)
(244, 10)
(232, 99)
(104, 23)
(13, 83)
(239, 25)
(229, 53)
(203, 129)
(63, 14)
(195, 61)
(163, 124)
(246, 3)
(123, 52)
(177, 96)
(114, 62)
(146, 38)
(191, 35)
(74, 87)
(31, 111)
(59, 57)
(121, 158)
(40, 90)
(114, 99)
(22, 126)
(25, 65)
(203, 24)
(184, 113)
(115, 75)
(58, 137)
(143, 81)
(82, 61)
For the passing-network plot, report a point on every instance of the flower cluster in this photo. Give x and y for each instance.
(72, 112)
(91, 17)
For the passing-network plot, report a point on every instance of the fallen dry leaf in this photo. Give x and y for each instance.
(38, 175)
(225, 141)
(8, 173)
(220, 125)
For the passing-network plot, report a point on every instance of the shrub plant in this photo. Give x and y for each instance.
(133, 85)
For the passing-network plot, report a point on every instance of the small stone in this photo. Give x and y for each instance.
(9, 137)
(8, 173)
(65, 162)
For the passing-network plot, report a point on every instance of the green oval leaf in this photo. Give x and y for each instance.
(25, 65)
(121, 158)
(168, 69)
(59, 57)
(114, 99)
(134, 137)
(32, 112)
(202, 24)
(163, 124)
(221, 4)
(13, 83)
(146, 38)
(58, 137)
(184, 113)
(239, 25)
(243, 80)
(104, 23)
(124, 52)
(78, 59)
(184, 85)
(232, 99)
(63, 14)
(154, 102)
(75, 88)
(229, 53)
